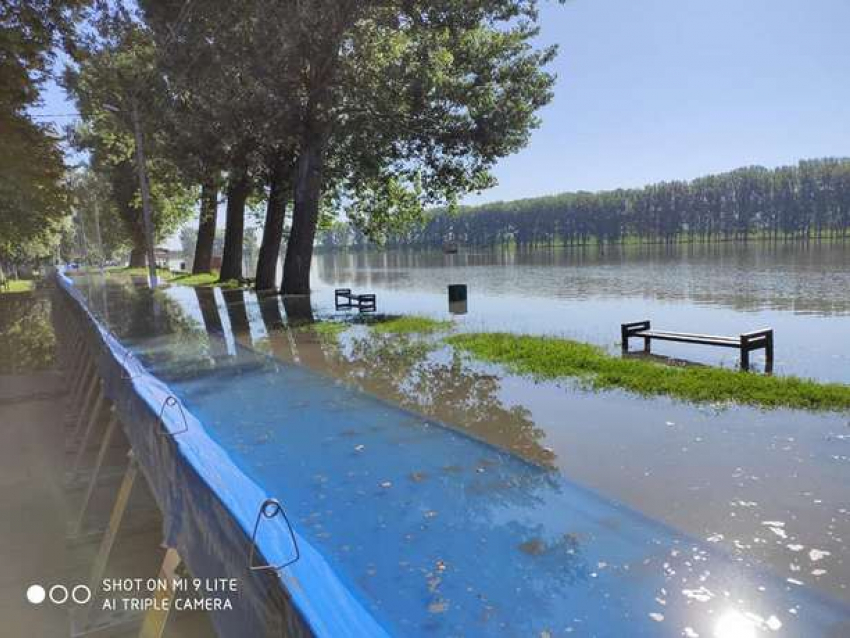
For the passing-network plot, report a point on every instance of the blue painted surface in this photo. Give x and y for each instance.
(438, 534)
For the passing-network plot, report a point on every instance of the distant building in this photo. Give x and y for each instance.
(169, 259)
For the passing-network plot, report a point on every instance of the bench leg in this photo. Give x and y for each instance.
(646, 344)
(768, 353)
(624, 339)
(745, 358)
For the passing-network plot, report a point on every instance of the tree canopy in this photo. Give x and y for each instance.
(811, 199)
(369, 111)
(33, 196)
(115, 74)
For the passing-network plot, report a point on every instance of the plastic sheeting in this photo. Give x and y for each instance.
(405, 526)
(210, 508)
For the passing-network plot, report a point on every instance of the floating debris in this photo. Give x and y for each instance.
(534, 547)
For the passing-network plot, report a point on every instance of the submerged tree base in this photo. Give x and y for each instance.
(552, 358)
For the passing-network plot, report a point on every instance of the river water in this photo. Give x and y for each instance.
(801, 291)
(768, 485)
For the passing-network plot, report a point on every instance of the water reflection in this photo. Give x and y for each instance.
(767, 488)
(723, 289)
(802, 278)
(211, 321)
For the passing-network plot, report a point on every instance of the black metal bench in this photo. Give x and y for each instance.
(344, 299)
(745, 343)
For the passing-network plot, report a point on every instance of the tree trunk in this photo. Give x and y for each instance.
(206, 228)
(137, 253)
(308, 190)
(237, 193)
(299, 310)
(273, 229)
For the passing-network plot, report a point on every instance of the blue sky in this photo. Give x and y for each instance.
(652, 90)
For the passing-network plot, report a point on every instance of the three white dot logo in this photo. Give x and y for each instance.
(59, 594)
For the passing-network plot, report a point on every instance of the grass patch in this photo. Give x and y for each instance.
(161, 273)
(203, 279)
(180, 279)
(552, 358)
(18, 285)
(410, 325)
(326, 328)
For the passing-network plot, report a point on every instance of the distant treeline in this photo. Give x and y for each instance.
(810, 200)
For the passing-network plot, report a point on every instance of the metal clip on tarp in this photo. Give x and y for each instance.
(125, 373)
(270, 508)
(171, 401)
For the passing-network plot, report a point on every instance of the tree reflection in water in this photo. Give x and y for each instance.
(416, 373)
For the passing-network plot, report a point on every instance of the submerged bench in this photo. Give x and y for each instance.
(345, 299)
(745, 343)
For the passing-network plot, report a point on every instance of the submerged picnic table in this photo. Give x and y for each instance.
(745, 342)
(344, 299)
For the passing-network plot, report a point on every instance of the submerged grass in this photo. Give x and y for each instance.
(18, 285)
(410, 324)
(181, 279)
(203, 279)
(552, 358)
(326, 328)
(162, 273)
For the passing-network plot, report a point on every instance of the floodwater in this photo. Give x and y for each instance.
(770, 485)
(766, 488)
(802, 291)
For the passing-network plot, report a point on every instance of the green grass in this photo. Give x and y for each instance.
(202, 279)
(181, 279)
(409, 325)
(381, 325)
(18, 285)
(553, 358)
(326, 328)
(162, 273)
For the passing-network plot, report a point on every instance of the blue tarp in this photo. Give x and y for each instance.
(405, 526)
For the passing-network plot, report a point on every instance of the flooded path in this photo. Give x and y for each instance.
(766, 488)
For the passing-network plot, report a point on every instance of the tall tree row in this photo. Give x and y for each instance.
(369, 110)
(810, 200)
(34, 198)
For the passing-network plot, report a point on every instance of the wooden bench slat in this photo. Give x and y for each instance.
(688, 337)
(705, 340)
